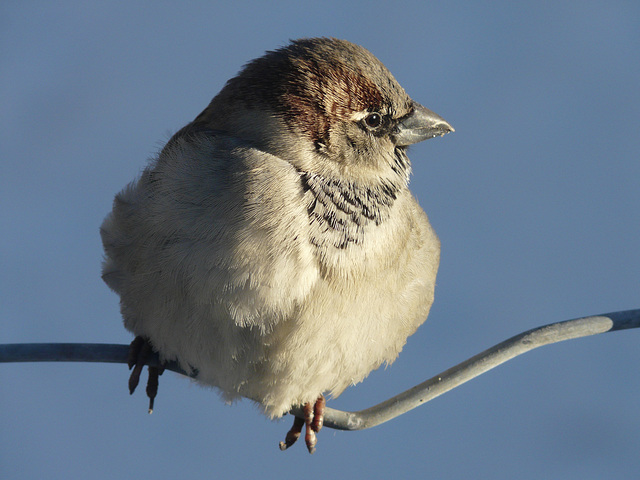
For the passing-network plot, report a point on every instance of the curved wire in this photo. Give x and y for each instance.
(385, 411)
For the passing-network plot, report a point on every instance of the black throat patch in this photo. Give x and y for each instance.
(339, 211)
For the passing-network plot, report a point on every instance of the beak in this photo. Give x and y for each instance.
(421, 124)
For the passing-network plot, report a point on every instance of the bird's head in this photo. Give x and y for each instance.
(328, 107)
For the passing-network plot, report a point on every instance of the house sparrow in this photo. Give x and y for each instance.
(273, 246)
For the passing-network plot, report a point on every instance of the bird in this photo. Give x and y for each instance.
(273, 248)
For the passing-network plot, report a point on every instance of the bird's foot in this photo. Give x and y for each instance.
(139, 353)
(313, 420)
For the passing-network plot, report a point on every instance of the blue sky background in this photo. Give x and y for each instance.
(535, 197)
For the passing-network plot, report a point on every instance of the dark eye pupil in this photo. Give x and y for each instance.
(373, 120)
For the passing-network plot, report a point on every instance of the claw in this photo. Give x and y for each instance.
(139, 353)
(309, 434)
(136, 362)
(318, 414)
(313, 420)
(293, 434)
(152, 385)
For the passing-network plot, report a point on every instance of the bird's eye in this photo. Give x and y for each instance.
(373, 120)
